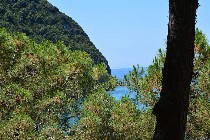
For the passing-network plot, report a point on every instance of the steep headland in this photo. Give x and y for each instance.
(42, 21)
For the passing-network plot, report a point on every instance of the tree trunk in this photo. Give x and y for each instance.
(171, 110)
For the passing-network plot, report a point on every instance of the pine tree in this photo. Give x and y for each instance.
(172, 107)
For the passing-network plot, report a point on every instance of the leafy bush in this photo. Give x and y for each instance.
(39, 85)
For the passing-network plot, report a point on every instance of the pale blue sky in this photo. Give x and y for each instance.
(127, 32)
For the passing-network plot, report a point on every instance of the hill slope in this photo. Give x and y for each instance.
(41, 20)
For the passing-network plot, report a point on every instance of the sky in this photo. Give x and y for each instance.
(127, 32)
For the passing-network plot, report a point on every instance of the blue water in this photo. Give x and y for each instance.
(121, 91)
(119, 73)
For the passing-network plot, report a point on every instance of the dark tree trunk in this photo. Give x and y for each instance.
(171, 110)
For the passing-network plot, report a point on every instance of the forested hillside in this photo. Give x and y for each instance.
(42, 21)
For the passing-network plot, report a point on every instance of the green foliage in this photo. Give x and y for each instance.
(104, 118)
(129, 123)
(150, 85)
(94, 122)
(199, 110)
(42, 21)
(132, 78)
(102, 78)
(147, 83)
(39, 84)
(20, 126)
(111, 83)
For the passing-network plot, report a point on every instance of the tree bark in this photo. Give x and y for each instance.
(171, 110)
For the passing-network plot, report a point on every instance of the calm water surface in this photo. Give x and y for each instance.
(121, 91)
